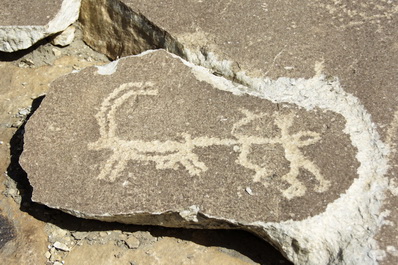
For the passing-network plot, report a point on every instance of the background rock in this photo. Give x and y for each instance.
(38, 21)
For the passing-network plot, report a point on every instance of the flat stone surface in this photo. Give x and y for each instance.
(23, 23)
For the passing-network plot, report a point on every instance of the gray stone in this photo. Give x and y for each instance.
(39, 19)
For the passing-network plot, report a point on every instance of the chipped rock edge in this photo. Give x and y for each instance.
(14, 38)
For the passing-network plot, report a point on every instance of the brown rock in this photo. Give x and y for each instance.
(156, 140)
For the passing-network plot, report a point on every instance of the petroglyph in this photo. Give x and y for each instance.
(172, 154)
(291, 145)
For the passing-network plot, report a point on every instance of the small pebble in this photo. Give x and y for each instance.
(57, 52)
(24, 112)
(55, 257)
(249, 191)
(65, 38)
(61, 246)
(79, 235)
(132, 242)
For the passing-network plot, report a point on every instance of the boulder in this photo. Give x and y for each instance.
(153, 139)
(23, 23)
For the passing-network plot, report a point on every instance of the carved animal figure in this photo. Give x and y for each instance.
(173, 154)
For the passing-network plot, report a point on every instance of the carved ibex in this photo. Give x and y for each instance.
(171, 154)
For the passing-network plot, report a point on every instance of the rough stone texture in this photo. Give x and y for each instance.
(251, 41)
(39, 20)
(156, 140)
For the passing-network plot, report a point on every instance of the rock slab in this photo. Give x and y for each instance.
(38, 20)
(153, 139)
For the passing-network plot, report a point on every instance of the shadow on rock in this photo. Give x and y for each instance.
(240, 241)
(7, 231)
(14, 56)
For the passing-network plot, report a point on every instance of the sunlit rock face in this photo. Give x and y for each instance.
(40, 19)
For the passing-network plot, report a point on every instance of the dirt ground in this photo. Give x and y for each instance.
(32, 233)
